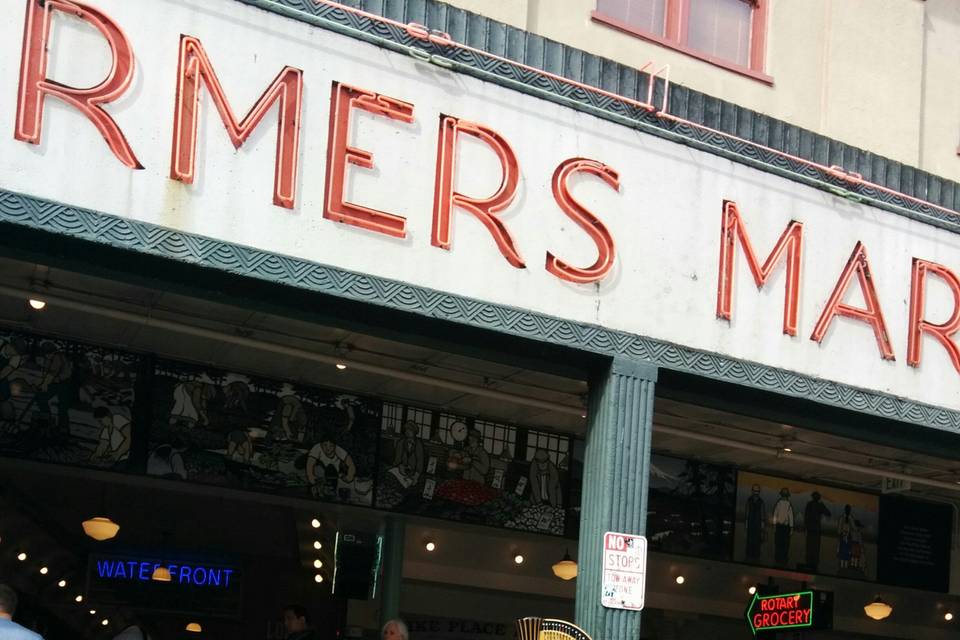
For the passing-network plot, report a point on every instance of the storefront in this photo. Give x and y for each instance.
(456, 319)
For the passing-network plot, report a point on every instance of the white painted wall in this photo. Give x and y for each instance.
(665, 218)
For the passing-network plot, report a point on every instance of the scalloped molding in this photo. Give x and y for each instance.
(743, 151)
(94, 227)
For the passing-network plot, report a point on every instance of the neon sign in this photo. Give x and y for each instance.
(782, 611)
(142, 570)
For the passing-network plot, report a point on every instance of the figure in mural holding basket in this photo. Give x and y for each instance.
(782, 527)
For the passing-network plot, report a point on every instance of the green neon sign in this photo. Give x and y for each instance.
(781, 611)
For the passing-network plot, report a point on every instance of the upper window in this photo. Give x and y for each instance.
(729, 33)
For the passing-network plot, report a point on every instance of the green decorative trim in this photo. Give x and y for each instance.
(132, 235)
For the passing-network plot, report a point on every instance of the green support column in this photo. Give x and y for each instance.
(615, 477)
(393, 542)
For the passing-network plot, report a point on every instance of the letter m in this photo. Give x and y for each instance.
(791, 242)
(287, 89)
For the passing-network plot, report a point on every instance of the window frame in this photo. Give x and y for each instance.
(676, 34)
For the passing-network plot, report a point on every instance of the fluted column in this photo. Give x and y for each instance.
(615, 479)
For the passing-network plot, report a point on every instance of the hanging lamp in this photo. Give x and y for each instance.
(566, 569)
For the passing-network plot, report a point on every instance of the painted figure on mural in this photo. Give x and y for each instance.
(12, 355)
(782, 518)
(408, 459)
(545, 480)
(813, 516)
(849, 541)
(114, 440)
(55, 386)
(239, 446)
(166, 461)
(756, 521)
(235, 394)
(190, 400)
(289, 420)
(328, 467)
(474, 459)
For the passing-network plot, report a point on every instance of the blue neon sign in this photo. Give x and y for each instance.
(185, 574)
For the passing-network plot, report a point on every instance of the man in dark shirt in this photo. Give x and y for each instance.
(296, 623)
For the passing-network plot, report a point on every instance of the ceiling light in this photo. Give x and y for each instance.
(317, 545)
(315, 523)
(878, 609)
(22, 556)
(948, 616)
(583, 415)
(93, 612)
(37, 303)
(44, 571)
(161, 574)
(752, 590)
(341, 366)
(62, 584)
(518, 559)
(194, 627)
(318, 578)
(317, 564)
(104, 622)
(566, 569)
(100, 528)
(79, 598)
(681, 579)
(430, 546)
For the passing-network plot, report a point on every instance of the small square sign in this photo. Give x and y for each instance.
(624, 571)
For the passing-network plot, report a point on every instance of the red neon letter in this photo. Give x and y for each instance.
(339, 153)
(606, 252)
(918, 326)
(35, 86)
(872, 315)
(287, 88)
(791, 241)
(445, 198)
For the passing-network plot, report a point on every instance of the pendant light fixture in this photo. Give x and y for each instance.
(194, 627)
(878, 609)
(100, 528)
(566, 569)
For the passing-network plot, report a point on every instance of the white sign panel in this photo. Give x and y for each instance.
(624, 571)
(393, 167)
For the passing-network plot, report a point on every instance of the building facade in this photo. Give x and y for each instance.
(501, 284)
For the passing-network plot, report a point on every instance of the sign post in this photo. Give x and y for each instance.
(624, 571)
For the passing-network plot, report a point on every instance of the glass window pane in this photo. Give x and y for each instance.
(721, 28)
(643, 15)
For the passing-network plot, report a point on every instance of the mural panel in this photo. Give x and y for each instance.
(64, 401)
(805, 526)
(441, 465)
(239, 430)
(690, 507)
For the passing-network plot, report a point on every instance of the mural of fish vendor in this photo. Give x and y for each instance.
(240, 430)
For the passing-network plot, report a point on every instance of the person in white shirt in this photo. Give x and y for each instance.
(782, 519)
